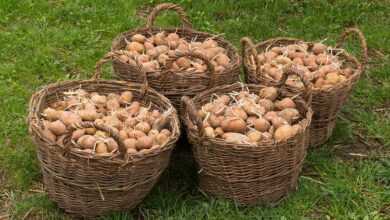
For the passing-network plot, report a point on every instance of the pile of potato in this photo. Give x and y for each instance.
(248, 118)
(140, 128)
(153, 53)
(316, 61)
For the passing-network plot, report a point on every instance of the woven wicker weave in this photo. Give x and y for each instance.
(326, 102)
(176, 84)
(87, 185)
(247, 174)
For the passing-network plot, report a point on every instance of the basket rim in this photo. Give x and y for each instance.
(33, 118)
(263, 144)
(351, 80)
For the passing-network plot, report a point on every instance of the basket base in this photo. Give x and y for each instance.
(320, 132)
(248, 194)
(90, 203)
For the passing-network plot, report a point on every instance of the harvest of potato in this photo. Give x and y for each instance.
(154, 52)
(248, 118)
(316, 61)
(141, 128)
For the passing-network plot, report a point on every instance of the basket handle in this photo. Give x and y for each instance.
(293, 70)
(247, 43)
(193, 54)
(168, 6)
(115, 55)
(105, 128)
(363, 43)
(192, 113)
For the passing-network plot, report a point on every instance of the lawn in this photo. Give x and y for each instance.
(44, 41)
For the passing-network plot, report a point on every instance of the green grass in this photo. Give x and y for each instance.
(48, 41)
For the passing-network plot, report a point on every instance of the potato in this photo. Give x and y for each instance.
(51, 114)
(57, 127)
(113, 104)
(162, 59)
(173, 37)
(162, 49)
(69, 118)
(323, 59)
(347, 72)
(144, 142)
(278, 122)
(236, 138)
(143, 126)
(209, 43)
(254, 136)
(267, 104)
(130, 143)
(148, 46)
(209, 132)
(101, 134)
(332, 78)
(283, 133)
(78, 133)
(88, 115)
(138, 38)
(153, 133)
(90, 131)
(289, 114)
(236, 125)
(135, 46)
(215, 121)
(101, 148)
(251, 120)
(253, 109)
(278, 50)
(225, 99)
(218, 132)
(182, 47)
(270, 93)
(143, 58)
(270, 115)
(166, 132)
(130, 122)
(298, 61)
(161, 139)
(222, 59)
(152, 53)
(261, 125)
(236, 111)
(134, 108)
(284, 103)
(183, 62)
(46, 133)
(283, 60)
(112, 145)
(261, 58)
(319, 82)
(87, 142)
(159, 39)
(270, 55)
(319, 48)
(136, 134)
(131, 151)
(123, 134)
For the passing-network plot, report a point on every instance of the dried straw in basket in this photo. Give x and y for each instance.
(87, 185)
(247, 174)
(326, 102)
(174, 85)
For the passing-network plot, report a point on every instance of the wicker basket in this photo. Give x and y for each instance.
(86, 185)
(174, 85)
(246, 174)
(326, 102)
